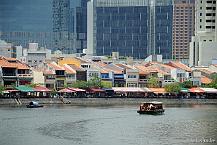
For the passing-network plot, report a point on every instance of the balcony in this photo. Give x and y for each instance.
(143, 80)
(24, 75)
(9, 75)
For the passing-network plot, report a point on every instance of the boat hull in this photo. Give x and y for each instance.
(34, 106)
(151, 112)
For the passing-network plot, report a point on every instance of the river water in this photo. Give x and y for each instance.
(111, 125)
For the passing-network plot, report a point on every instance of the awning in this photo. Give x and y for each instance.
(66, 91)
(128, 89)
(184, 90)
(77, 89)
(96, 90)
(196, 90)
(158, 90)
(25, 89)
(9, 91)
(41, 89)
(209, 90)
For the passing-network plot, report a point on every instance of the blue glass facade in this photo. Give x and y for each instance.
(122, 29)
(136, 28)
(56, 24)
(163, 31)
(24, 21)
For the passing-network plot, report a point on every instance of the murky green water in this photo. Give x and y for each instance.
(117, 125)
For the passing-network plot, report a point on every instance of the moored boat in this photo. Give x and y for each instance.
(153, 108)
(34, 104)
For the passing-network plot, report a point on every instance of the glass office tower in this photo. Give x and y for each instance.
(69, 25)
(24, 21)
(55, 24)
(134, 28)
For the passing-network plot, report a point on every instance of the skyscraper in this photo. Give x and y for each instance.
(183, 27)
(203, 47)
(69, 25)
(135, 28)
(26, 21)
(55, 24)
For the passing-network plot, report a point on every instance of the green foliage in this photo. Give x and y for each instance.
(173, 88)
(94, 82)
(187, 84)
(213, 84)
(2, 88)
(80, 84)
(106, 84)
(153, 82)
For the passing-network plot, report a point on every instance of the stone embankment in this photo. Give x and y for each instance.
(104, 101)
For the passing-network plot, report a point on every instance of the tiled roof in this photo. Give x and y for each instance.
(69, 69)
(48, 72)
(124, 66)
(150, 69)
(76, 68)
(104, 71)
(205, 80)
(206, 71)
(114, 68)
(12, 63)
(180, 65)
(55, 66)
(81, 60)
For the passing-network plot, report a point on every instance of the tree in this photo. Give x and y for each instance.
(80, 84)
(94, 82)
(213, 84)
(187, 84)
(173, 88)
(153, 82)
(2, 88)
(106, 84)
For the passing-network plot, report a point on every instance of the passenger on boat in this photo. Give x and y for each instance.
(150, 107)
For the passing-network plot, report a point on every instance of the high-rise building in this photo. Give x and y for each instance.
(54, 24)
(183, 27)
(203, 47)
(69, 25)
(134, 28)
(26, 21)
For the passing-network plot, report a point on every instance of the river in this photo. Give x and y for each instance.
(110, 125)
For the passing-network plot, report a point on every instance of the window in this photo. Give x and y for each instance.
(200, 26)
(200, 20)
(200, 14)
(131, 76)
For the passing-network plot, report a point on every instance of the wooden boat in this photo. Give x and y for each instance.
(153, 108)
(34, 104)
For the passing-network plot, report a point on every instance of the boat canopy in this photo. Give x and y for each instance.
(33, 103)
(153, 102)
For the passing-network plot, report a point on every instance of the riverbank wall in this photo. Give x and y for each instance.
(105, 101)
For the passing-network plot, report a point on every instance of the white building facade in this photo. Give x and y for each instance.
(203, 46)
